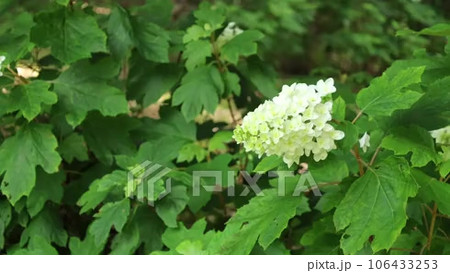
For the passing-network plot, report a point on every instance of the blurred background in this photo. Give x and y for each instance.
(350, 39)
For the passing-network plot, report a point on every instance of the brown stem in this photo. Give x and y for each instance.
(357, 117)
(432, 224)
(230, 107)
(358, 158)
(372, 160)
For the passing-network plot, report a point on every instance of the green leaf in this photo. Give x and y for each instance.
(330, 170)
(375, 205)
(199, 90)
(268, 163)
(85, 247)
(351, 135)
(338, 110)
(208, 16)
(100, 188)
(73, 147)
(38, 245)
(120, 32)
(29, 98)
(195, 32)
(407, 241)
(412, 139)
(33, 145)
(157, 11)
(5, 218)
(232, 85)
(62, 2)
(108, 136)
(196, 53)
(83, 87)
(72, 35)
(190, 151)
(48, 225)
(165, 136)
(444, 168)
(191, 248)
(262, 219)
(261, 75)
(331, 199)
(110, 215)
(127, 241)
(151, 40)
(125, 32)
(173, 237)
(442, 29)
(219, 163)
(432, 189)
(148, 81)
(243, 44)
(150, 228)
(15, 41)
(218, 141)
(171, 205)
(321, 239)
(48, 188)
(384, 95)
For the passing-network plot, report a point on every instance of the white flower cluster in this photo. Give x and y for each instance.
(2, 59)
(228, 33)
(442, 135)
(293, 124)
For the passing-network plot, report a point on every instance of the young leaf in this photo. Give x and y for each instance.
(375, 205)
(268, 163)
(196, 53)
(29, 98)
(243, 44)
(100, 188)
(33, 145)
(110, 215)
(199, 90)
(209, 17)
(190, 151)
(219, 140)
(338, 110)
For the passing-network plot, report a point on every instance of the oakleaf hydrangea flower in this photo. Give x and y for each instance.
(2, 59)
(364, 142)
(228, 33)
(442, 135)
(292, 124)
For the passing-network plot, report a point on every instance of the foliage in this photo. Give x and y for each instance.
(91, 91)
